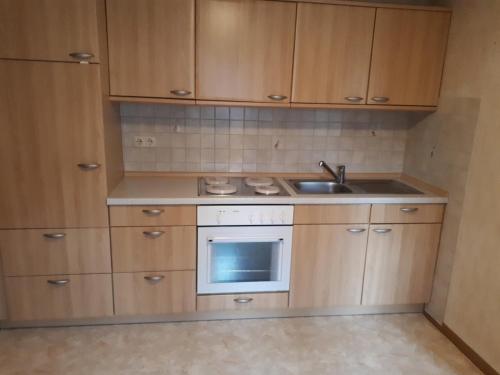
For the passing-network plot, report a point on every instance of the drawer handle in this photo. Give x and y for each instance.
(380, 99)
(408, 210)
(180, 92)
(54, 236)
(277, 97)
(153, 234)
(353, 99)
(88, 166)
(155, 278)
(356, 230)
(382, 230)
(59, 282)
(153, 212)
(243, 300)
(81, 56)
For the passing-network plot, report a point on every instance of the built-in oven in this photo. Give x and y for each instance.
(244, 249)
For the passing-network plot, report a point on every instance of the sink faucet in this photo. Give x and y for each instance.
(339, 176)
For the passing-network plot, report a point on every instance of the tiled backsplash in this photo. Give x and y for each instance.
(236, 139)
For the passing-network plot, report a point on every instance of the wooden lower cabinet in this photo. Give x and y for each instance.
(332, 214)
(154, 293)
(138, 216)
(228, 302)
(59, 297)
(406, 213)
(327, 265)
(400, 263)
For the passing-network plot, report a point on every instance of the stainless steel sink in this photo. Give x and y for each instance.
(318, 187)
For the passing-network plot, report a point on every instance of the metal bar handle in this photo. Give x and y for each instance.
(89, 166)
(54, 236)
(356, 230)
(243, 299)
(353, 99)
(277, 97)
(155, 278)
(409, 209)
(153, 233)
(59, 282)
(153, 212)
(382, 230)
(81, 56)
(380, 99)
(180, 92)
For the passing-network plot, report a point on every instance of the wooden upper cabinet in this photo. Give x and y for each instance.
(50, 116)
(244, 50)
(408, 55)
(48, 29)
(151, 48)
(332, 53)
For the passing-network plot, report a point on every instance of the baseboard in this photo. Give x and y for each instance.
(470, 353)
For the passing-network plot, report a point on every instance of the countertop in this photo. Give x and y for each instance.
(176, 190)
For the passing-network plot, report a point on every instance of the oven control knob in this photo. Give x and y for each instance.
(250, 219)
(282, 217)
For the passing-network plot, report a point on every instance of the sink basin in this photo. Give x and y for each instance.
(318, 187)
(381, 187)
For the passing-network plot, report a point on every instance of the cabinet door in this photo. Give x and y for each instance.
(327, 265)
(400, 263)
(332, 53)
(244, 50)
(409, 48)
(48, 29)
(50, 115)
(151, 48)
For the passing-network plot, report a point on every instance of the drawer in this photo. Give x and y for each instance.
(59, 297)
(143, 216)
(155, 293)
(407, 213)
(55, 251)
(153, 248)
(332, 214)
(228, 302)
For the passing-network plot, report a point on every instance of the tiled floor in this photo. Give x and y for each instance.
(383, 344)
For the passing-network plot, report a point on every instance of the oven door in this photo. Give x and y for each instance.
(244, 259)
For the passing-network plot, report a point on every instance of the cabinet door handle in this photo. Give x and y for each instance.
(54, 236)
(356, 230)
(382, 230)
(155, 278)
(59, 282)
(409, 209)
(88, 166)
(180, 92)
(380, 99)
(243, 300)
(81, 56)
(153, 234)
(277, 97)
(153, 212)
(353, 99)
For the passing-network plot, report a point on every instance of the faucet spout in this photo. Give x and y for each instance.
(339, 177)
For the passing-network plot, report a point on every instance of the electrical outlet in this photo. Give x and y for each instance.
(144, 141)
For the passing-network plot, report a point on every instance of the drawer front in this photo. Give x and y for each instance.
(154, 293)
(55, 251)
(154, 248)
(228, 302)
(332, 214)
(137, 216)
(407, 213)
(59, 297)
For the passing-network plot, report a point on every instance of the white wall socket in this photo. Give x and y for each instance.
(144, 141)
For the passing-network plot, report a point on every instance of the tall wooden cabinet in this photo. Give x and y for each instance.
(244, 50)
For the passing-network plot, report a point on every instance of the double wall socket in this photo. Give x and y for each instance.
(144, 141)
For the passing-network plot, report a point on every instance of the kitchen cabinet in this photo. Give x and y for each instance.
(332, 53)
(407, 213)
(409, 48)
(327, 265)
(59, 297)
(244, 50)
(332, 214)
(138, 216)
(151, 48)
(54, 30)
(52, 148)
(242, 302)
(154, 293)
(400, 263)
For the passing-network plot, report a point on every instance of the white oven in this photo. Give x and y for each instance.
(244, 249)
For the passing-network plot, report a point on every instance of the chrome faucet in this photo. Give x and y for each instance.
(339, 177)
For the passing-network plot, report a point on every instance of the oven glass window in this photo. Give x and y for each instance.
(232, 262)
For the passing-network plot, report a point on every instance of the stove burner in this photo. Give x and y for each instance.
(214, 180)
(267, 190)
(222, 189)
(258, 181)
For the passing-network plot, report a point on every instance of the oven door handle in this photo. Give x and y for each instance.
(243, 239)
